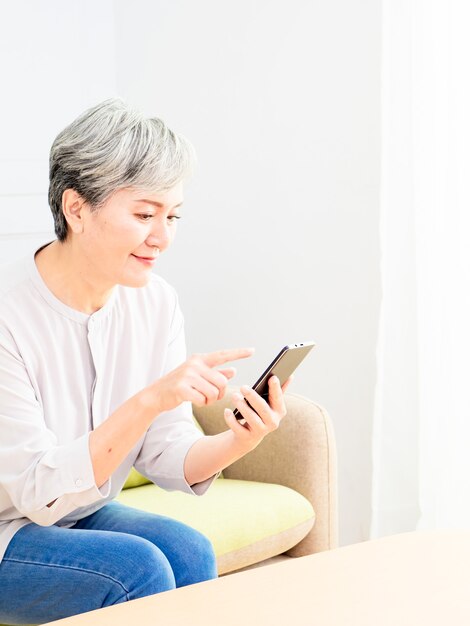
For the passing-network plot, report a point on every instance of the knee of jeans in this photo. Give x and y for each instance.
(143, 569)
(203, 562)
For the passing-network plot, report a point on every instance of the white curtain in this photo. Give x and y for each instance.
(421, 465)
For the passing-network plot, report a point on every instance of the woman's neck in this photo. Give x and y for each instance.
(69, 278)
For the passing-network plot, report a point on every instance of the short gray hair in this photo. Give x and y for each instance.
(110, 147)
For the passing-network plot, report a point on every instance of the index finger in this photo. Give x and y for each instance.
(212, 359)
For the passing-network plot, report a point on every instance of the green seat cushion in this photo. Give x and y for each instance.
(135, 479)
(246, 521)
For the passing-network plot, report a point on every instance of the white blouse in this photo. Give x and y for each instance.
(62, 373)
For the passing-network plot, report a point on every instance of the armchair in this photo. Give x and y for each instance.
(278, 499)
(300, 455)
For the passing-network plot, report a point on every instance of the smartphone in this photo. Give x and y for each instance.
(284, 364)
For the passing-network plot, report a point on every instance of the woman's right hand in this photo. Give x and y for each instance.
(194, 381)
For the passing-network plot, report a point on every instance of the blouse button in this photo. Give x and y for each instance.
(78, 482)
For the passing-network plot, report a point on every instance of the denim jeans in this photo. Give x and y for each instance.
(114, 555)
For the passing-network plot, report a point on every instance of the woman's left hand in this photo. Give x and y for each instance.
(265, 417)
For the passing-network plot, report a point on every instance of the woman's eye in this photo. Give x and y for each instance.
(146, 217)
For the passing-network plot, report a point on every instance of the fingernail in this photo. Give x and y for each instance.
(245, 388)
(227, 412)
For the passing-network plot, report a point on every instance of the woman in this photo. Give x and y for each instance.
(94, 380)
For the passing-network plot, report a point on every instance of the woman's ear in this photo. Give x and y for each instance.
(72, 208)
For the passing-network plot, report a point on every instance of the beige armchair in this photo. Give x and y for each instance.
(300, 455)
(278, 499)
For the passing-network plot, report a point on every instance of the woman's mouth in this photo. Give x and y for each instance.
(146, 260)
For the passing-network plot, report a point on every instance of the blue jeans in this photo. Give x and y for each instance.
(115, 555)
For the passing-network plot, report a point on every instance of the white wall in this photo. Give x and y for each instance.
(279, 241)
(56, 59)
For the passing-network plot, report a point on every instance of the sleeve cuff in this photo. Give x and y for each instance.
(76, 471)
(176, 481)
(199, 489)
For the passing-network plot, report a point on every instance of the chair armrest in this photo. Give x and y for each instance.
(300, 454)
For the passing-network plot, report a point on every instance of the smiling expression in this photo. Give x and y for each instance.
(122, 240)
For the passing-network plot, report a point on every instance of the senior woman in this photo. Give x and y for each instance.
(94, 380)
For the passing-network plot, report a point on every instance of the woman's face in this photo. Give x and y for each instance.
(122, 240)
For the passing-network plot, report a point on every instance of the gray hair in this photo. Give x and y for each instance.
(110, 147)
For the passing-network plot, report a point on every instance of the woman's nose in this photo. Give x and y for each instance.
(160, 236)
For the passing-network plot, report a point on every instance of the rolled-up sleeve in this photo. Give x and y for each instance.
(166, 444)
(42, 479)
(168, 440)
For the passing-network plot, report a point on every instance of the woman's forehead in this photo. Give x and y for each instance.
(161, 199)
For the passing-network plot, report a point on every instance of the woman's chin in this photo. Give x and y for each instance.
(136, 281)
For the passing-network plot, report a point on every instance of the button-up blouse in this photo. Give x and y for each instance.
(62, 373)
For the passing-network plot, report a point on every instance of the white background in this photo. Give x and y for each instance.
(280, 237)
